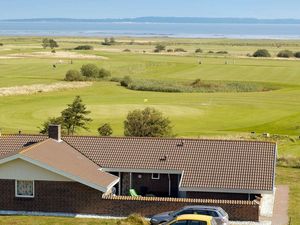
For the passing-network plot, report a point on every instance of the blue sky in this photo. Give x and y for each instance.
(15, 9)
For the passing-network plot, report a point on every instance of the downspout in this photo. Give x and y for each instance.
(169, 184)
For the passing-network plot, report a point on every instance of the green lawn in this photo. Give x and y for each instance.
(36, 220)
(192, 114)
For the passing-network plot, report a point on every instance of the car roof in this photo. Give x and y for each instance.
(202, 207)
(194, 217)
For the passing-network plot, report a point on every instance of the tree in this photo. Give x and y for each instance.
(45, 43)
(159, 48)
(297, 54)
(262, 53)
(74, 116)
(147, 123)
(49, 43)
(53, 44)
(105, 130)
(285, 54)
(90, 71)
(73, 75)
(52, 120)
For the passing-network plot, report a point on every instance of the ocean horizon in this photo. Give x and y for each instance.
(150, 29)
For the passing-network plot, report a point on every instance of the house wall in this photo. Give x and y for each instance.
(21, 170)
(73, 197)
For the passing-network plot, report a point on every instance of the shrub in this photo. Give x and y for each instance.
(159, 48)
(90, 71)
(103, 73)
(262, 53)
(126, 81)
(222, 52)
(105, 130)
(297, 54)
(84, 47)
(73, 75)
(179, 50)
(126, 50)
(285, 54)
(133, 219)
(198, 50)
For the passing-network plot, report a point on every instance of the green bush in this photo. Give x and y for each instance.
(222, 52)
(179, 50)
(73, 75)
(84, 47)
(90, 71)
(126, 81)
(262, 53)
(198, 50)
(285, 54)
(134, 219)
(297, 54)
(105, 130)
(103, 73)
(198, 86)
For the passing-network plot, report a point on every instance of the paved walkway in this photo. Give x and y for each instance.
(280, 211)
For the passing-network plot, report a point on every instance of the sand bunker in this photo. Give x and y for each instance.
(60, 54)
(40, 88)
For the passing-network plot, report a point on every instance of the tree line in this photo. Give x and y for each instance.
(148, 122)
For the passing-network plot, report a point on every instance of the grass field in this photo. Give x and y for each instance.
(192, 114)
(229, 115)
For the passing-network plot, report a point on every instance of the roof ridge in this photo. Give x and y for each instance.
(146, 138)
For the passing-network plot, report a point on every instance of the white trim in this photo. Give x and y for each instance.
(155, 178)
(24, 196)
(221, 190)
(126, 170)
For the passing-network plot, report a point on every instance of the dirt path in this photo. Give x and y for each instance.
(280, 211)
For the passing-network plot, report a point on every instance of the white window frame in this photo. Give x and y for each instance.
(24, 196)
(155, 178)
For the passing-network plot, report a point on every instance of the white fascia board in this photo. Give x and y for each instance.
(126, 170)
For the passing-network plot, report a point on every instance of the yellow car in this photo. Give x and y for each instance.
(193, 219)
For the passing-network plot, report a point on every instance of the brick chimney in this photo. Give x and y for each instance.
(54, 132)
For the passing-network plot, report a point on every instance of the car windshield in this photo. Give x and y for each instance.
(223, 213)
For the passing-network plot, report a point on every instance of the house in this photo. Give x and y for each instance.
(73, 173)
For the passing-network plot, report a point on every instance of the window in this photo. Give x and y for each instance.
(183, 212)
(155, 176)
(24, 188)
(198, 222)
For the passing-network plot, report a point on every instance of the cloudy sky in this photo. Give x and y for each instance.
(92, 9)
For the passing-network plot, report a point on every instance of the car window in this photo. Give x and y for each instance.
(200, 212)
(180, 222)
(198, 222)
(186, 211)
(212, 213)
